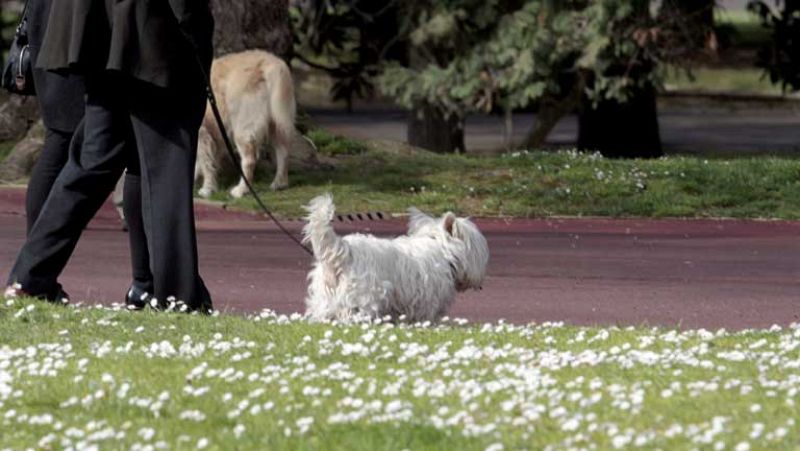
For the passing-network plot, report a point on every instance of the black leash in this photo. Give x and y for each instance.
(212, 100)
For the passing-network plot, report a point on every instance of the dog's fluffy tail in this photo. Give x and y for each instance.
(281, 100)
(327, 245)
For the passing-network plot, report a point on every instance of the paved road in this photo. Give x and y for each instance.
(732, 274)
(692, 129)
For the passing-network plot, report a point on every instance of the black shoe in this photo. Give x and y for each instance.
(62, 298)
(137, 298)
(15, 291)
(170, 305)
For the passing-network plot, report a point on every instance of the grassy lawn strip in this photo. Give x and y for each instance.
(536, 184)
(73, 378)
(721, 80)
(743, 28)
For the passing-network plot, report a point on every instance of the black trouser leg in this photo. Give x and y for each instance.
(78, 192)
(166, 123)
(140, 257)
(50, 163)
(132, 206)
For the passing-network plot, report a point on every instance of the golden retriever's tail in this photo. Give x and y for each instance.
(283, 109)
(327, 245)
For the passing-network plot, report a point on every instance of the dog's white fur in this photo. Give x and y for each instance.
(415, 275)
(255, 94)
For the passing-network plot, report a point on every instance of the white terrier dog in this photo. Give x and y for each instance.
(416, 275)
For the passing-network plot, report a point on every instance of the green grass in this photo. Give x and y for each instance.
(82, 377)
(332, 145)
(541, 184)
(743, 28)
(721, 79)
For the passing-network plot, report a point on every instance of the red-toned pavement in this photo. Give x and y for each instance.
(698, 273)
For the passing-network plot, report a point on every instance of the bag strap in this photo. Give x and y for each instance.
(25, 8)
(24, 16)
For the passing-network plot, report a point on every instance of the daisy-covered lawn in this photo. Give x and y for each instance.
(78, 378)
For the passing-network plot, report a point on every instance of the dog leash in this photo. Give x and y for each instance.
(212, 100)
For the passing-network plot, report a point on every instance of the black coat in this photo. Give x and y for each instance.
(147, 39)
(61, 96)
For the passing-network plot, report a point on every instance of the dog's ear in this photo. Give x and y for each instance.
(450, 224)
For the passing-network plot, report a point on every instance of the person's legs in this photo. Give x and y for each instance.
(166, 125)
(45, 171)
(77, 194)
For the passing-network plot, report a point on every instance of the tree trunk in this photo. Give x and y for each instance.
(552, 110)
(17, 115)
(252, 24)
(508, 128)
(628, 130)
(17, 118)
(19, 163)
(429, 129)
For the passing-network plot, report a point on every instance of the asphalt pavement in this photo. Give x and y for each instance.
(674, 273)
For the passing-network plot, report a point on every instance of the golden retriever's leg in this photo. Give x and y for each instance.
(249, 155)
(206, 166)
(281, 180)
(282, 117)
